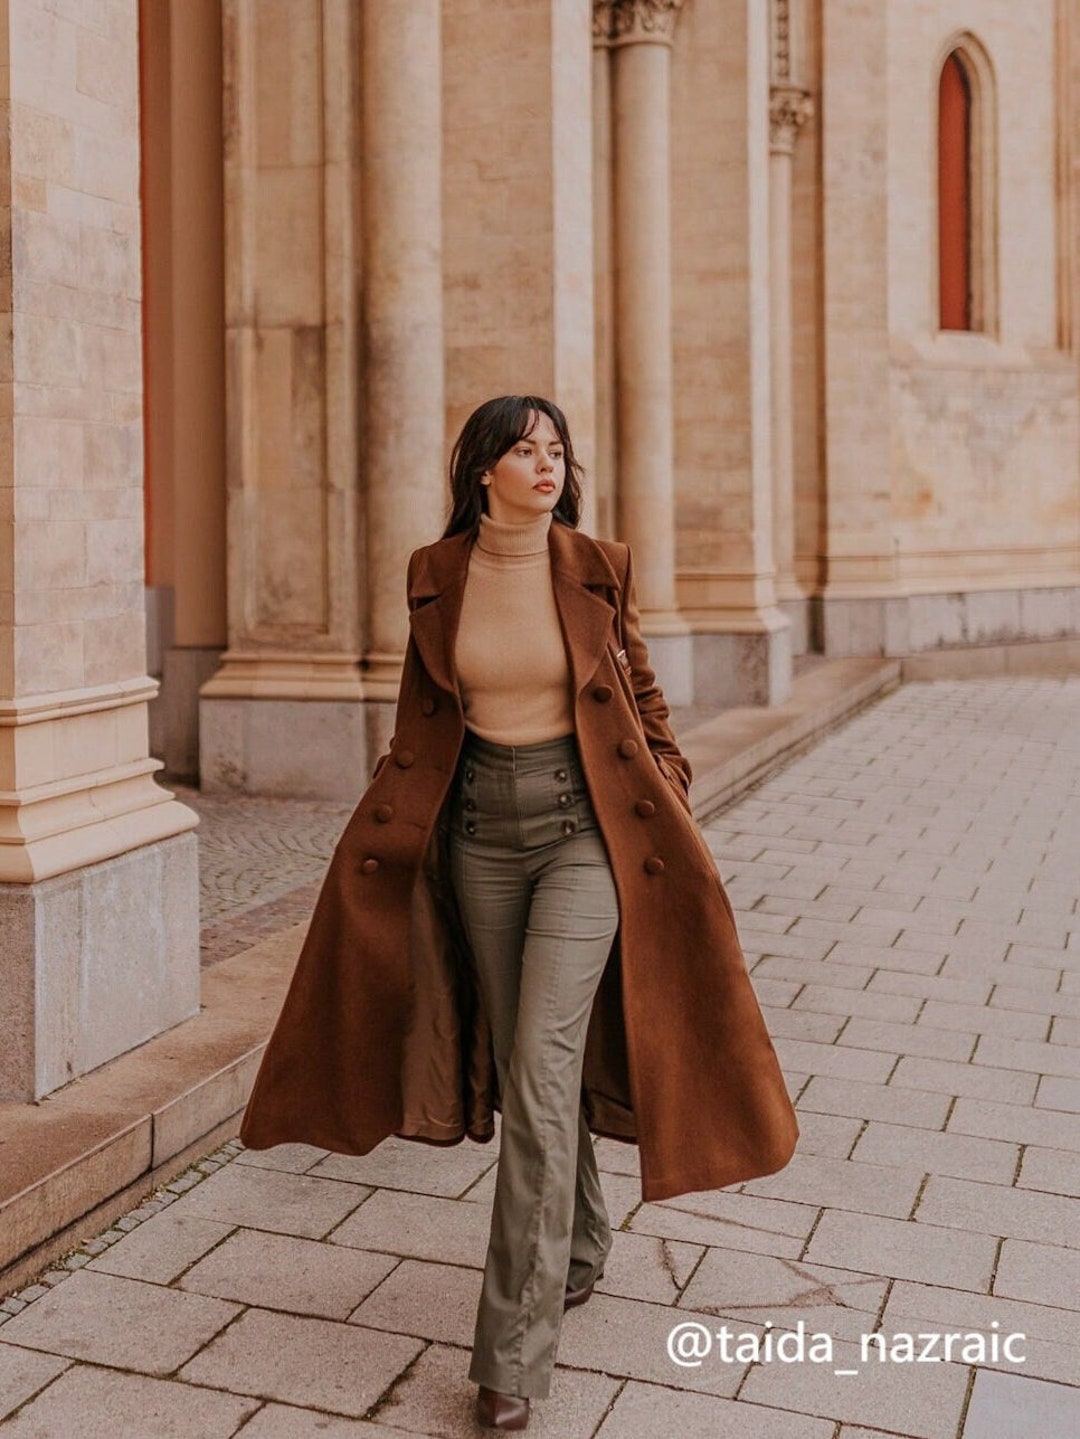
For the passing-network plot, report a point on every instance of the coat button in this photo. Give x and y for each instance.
(561, 776)
(427, 706)
(565, 801)
(384, 813)
(470, 773)
(370, 865)
(654, 865)
(404, 758)
(470, 826)
(568, 826)
(645, 808)
(627, 748)
(602, 693)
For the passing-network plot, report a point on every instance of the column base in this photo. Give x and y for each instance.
(798, 613)
(174, 712)
(672, 659)
(296, 749)
(96, 961)
(911, 624)
(743, 668)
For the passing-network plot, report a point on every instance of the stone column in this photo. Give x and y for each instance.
(789, 108)
(603, 275)
(98, 876)
(858, 549)
(284, 714)
(640, 34)
(403, 305)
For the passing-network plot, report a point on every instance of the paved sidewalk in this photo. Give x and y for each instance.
(906, 893)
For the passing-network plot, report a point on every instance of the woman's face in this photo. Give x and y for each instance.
(528, 480)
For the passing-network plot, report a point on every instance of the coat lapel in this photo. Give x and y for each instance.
(579, 568)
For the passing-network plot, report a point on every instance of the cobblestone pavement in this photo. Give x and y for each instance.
(906, 893)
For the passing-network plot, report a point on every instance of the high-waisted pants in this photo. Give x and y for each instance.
(538, 903)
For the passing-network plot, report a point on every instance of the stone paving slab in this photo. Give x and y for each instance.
(1009, 1406)
(430, 1400)
(23, 1372)
(921, 1401)
(104, 1404)
(309, 1362)
(125, 1323)
(280, 1271)
(162, 1248)
(638, 1408)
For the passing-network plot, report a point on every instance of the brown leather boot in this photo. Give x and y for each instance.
(574, 1297)
(501, 1411)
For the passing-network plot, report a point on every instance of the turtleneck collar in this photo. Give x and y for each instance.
(530, 538)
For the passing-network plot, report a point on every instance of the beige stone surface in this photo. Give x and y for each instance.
(23, 1372)
(763, 1289)
(904, 1250)
(160, 1249)
(763, 1226)
(281, 1421)
(123, 1323)
(694, 1416)
(281, 1271)
(104, 1404)
(418, 1227)
(304, 1361)
(926, 1402)
(430, 1301)
(1009, 1406)
(399, 1164)
(435, 1398)
(265, 1199)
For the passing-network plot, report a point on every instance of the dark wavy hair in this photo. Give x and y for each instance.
(493, 428)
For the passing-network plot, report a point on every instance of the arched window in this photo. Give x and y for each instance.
(954, 196)
(966, 149)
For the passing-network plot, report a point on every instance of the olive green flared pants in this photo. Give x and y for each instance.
(536, 896)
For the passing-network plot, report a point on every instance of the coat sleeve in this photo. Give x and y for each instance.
(648, 696)
(413, 560)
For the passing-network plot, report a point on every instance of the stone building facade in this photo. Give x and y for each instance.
(803, 274)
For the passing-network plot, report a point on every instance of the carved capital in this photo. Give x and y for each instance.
(789, 109)
(601, 23)
(634, 22)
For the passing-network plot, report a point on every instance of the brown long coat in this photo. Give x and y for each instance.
(382, 1031)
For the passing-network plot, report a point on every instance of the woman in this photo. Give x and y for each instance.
(526, 848)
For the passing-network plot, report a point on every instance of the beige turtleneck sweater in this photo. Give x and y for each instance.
(510, 657)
